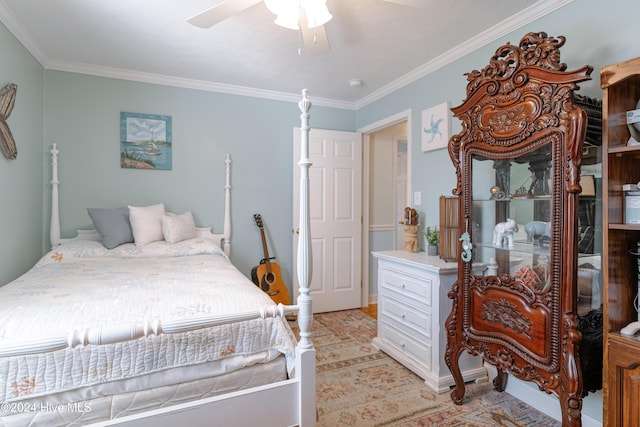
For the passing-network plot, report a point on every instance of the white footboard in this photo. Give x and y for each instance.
(271, 405)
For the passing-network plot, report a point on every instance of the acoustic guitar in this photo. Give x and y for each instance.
(267, 275)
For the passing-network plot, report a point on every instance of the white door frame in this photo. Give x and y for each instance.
(366, 151)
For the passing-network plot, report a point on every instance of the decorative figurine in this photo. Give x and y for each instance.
(411, 230)
(504, 231)
(467, 247)
(521, 193)
(537, 229)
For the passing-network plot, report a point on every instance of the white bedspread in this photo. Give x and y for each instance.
(82, 285)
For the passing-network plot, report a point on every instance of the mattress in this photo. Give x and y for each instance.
(81, 285)
(84, 406)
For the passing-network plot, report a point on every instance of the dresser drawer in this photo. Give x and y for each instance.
(416, 288)
(407, 316)
(421, 351)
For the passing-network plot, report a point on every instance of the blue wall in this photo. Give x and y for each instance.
(21, 181)
(257, 133)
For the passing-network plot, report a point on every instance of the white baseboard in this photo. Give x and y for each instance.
(373, 299)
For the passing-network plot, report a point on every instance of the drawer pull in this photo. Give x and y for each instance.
(404, 315)
(403, 285)
(402, 344)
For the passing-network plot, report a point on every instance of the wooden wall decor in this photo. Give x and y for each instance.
(7, 100)
(520, 115)
(448, 228)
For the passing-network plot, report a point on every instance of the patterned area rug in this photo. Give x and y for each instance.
(358, 385)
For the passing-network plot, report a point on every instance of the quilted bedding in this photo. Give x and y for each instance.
(82, 285)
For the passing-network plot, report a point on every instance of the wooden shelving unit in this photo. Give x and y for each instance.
(621, 165)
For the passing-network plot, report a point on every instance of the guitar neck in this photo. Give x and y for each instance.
(266, 251)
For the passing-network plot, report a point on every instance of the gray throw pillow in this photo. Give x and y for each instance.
(113, 225)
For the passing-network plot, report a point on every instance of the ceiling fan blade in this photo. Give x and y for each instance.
(315, 39)
(411, 3)
(220, 12)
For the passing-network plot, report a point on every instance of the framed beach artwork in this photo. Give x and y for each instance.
(145, 141)
(435, 127)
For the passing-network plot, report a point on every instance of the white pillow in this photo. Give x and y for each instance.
(177, 228)
(146, 223)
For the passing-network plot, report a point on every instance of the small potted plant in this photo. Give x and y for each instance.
(432, 235)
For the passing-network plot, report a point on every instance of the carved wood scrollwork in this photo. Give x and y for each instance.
(507, 315)
(521, 109)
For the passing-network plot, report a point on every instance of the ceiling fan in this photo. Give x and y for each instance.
(307, 16)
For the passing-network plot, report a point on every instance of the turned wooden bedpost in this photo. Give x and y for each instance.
(227, 206)
(54, 227)
(306, 360)
(305, 316)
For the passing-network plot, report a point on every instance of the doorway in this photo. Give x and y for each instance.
(386, 191)
(395, 151)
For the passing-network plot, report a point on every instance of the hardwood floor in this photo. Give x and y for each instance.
(371, 310)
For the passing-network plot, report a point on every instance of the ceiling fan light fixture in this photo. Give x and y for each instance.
(277, 6)
(288, 12)
(317, 12)
(288, 19)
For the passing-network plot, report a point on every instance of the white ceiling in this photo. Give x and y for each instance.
(385, 45)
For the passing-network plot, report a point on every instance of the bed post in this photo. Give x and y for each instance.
(227, 206)
(54, 227)
(306, 355)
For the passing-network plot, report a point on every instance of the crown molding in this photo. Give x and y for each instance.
(160, 79)
(526, 16)
(20, 32)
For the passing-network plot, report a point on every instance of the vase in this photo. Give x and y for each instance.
(432, 250)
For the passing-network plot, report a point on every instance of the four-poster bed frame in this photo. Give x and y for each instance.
(284, 403)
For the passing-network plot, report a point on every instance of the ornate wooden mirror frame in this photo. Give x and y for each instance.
(521, 108)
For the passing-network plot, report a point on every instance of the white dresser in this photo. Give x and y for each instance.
(412, 309)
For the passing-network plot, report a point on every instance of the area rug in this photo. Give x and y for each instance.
(358, 385)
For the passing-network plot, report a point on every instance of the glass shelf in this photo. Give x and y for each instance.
(519, 246)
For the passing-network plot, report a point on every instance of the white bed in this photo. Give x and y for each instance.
(155, 334)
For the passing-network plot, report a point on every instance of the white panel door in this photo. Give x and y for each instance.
(335, 179)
